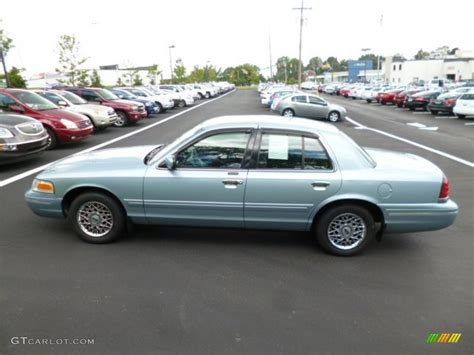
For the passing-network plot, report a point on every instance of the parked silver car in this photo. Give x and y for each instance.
(250, 172)
(310, 106)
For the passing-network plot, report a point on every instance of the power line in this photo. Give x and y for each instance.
(301, 9)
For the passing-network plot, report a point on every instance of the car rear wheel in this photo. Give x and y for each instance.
(345, 229)
(122, 119)
(207, 95)
(461, 116)
(52, 139)
(288, 112)
(159, 108)
(383, 102)
(334, 116)
(97, 218)
(368, 101)
(434, 112)
(412, 109)
(181, 103)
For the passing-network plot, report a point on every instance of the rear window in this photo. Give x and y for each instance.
(467, 97)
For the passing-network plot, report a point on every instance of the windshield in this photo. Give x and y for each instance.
(148, 92)
(34, 101)
(124, 95)
(106, 94)
(76, 100)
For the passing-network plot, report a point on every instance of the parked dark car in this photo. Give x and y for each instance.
(21, 138)
(62, 126)
(443, 104)
(150, 106)
(421, 100)
(127, 111)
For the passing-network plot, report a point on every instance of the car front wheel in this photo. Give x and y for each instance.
(434, 112)
(461, 116)
(345, 230)
(121, 120)
(97, 218)
(52, 139)
(334, 116)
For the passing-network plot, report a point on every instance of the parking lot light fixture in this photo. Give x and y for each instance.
(171, 61)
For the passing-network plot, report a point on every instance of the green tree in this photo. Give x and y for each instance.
(70, 60)
(179, 73)
(120, 82)
(421, 54)
(95, 79)
(314, 64)
(152, 73)
(197, 75)
(16, 79)
(5, 41)
(137, 80)
(83, 78)
(242, 75)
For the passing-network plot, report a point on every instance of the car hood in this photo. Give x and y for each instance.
(10, 121)
(107, 161)
(403, 164)
(103, 110)
(61, 113)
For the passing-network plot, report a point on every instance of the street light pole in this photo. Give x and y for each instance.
(171, 61)
(2, 58)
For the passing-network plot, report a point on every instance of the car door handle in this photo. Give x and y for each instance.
(232, 183)
(320, 185)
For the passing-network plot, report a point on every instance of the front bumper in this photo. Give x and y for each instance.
(419, 217)
(24, 150)
(73, 135)
(135, 116)
(104, 121)
(44, 205)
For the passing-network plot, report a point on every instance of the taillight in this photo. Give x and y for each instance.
(444, 192)
(420, 99)
(451, 102)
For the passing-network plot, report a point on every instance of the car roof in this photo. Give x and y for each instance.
(267, 121)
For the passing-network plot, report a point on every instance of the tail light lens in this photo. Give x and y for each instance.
(451, 102)
(444, 192)
(420, 99)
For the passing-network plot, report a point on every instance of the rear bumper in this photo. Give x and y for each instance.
(463, 111)
(419, 217)
(440, 108)
(44, 205)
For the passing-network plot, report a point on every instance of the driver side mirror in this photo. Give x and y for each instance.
(170, 162)
(17, 108)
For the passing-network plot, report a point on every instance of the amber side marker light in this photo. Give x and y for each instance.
(43, 186)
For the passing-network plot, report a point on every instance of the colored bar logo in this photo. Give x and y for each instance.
(443, 338)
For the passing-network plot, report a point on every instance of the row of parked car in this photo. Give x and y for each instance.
(451, 100)
(288, 101)
(32, 121)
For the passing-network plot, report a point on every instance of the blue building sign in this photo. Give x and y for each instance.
(358, 67)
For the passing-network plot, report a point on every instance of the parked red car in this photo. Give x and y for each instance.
(401, 97)
(388, 97)
(62, 126)
(344, 92)
(127, 111)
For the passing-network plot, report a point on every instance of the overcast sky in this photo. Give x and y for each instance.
(228, 33)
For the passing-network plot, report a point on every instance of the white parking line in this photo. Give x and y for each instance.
(25, 174)
(446, 118)
(418, 145)
(421, 113)
(469, 124)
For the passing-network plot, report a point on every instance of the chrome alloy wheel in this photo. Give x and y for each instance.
(288, 113)
(334, 116)
(95, 219)
(346, 231)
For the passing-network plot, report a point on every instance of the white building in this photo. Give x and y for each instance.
(453, 67)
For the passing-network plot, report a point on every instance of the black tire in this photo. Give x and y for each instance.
(329, 216)
(288, 112)
(207, 95)
(353, 98)
(400, 105)
(53, 139)
(334, 116)
(412, 109)
(434, 112)
(461, 116)
(115, 209)
(181, 103)
(201, 96)
(160, 107)
(368, 101)
(122, 120)
(383, 103)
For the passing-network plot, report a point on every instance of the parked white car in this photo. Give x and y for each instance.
(465, 105)
(100, 116)
(165, 101)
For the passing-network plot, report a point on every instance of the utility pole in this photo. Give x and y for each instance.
(301, 9)
(171, 62)
(378, 55)
(270, 53)
(2, 59)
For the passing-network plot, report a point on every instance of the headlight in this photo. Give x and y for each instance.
(148, 104)
(134, 108)
(43, 186)
(5, 133)
(68, 124)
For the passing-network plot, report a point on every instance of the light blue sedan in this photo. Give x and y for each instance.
(253, 172)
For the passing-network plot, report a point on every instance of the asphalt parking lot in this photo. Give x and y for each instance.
(211, 291)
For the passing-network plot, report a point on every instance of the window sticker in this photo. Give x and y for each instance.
(278, 147)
